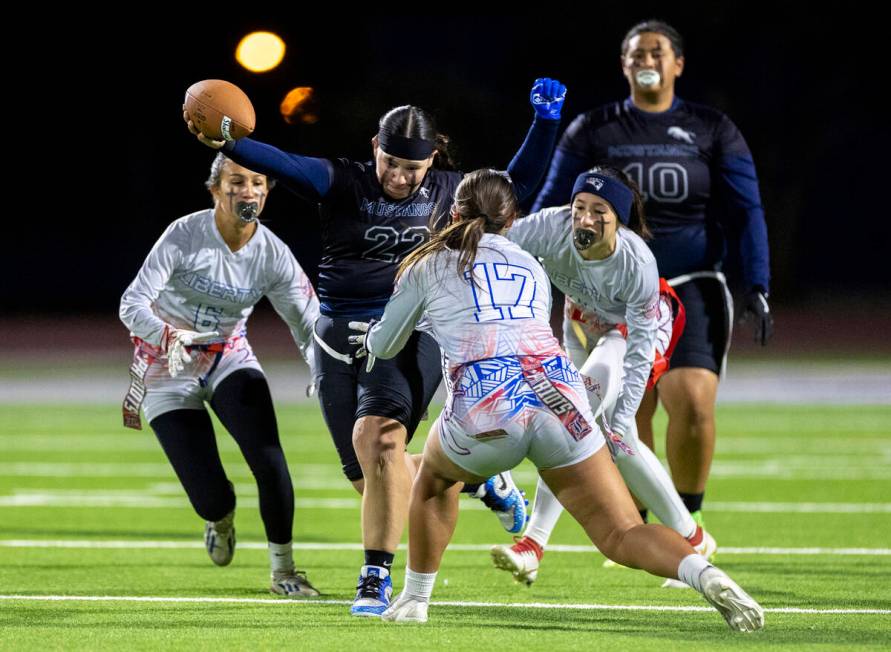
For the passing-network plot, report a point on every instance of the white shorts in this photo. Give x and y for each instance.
(197, 381)
(502, 410)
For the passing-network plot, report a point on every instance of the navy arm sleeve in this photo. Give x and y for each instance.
(745, 215)
(570, 160)
(529, 164)
(308, 177)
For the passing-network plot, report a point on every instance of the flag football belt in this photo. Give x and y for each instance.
(144, 356)
(662, 361)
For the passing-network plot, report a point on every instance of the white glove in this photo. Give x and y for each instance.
(361, 327)
(177, 341)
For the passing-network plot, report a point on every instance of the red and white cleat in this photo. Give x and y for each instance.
(521, 559)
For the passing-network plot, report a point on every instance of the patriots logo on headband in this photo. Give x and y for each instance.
(594, 181)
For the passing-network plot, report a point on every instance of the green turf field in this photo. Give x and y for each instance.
(99, 548)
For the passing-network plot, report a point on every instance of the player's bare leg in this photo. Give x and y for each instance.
(412, 461)
(434, 505)
(432, 519)
(379, 443)
(593, 492)
(380, 447)
(689, 396)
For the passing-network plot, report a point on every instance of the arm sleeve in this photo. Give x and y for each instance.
(570, 160)
(387, 337)
(295, 301)
(744, 212)
(641, 320)
(136, 303)
(308, 177)
(530, 162)
(538, 232)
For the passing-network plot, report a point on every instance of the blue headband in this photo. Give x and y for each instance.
(412, 149)
(612, 190)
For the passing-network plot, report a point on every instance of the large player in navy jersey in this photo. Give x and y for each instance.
(702, 199)
(373, 215)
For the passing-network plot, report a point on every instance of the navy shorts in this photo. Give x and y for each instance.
(706, 336)
(400, 388)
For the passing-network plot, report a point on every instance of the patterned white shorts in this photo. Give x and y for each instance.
(502, 410)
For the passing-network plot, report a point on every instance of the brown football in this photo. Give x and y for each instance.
(220, 110)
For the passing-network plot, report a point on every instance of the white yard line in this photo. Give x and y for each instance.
(458, 547)
(814, 466)
(137, 499)
(487, 605)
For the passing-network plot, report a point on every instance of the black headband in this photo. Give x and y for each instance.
(412, 149)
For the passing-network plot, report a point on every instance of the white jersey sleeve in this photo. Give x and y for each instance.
(153, 277)
(641, 311)
(540, 233)
(405, 307)
(294, 300)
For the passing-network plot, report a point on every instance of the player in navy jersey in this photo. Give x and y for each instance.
(373, 215)
(702, 199)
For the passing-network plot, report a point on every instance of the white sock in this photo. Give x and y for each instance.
(690, 569)
(545, 513)
(419, 585)
(281, 557)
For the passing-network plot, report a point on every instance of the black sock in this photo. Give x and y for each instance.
(643, 514)
(379, 558)
(471, 488)
(693, 502)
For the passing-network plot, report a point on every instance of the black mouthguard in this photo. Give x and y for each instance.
(583, 238)
(247, 211)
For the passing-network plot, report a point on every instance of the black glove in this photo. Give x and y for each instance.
(756, 308)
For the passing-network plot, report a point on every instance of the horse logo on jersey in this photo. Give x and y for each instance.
(597, 183)
(682, 135)
(424, 192)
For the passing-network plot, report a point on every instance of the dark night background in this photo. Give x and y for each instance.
(109, 162)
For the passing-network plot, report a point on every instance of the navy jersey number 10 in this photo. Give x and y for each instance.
(502, 291)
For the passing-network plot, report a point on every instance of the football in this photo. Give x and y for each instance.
(220, 110)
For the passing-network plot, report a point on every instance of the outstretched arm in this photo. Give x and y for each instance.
(530, 162)
(306, 176)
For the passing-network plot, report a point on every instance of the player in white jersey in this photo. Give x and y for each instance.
(514, 394)
(620, 317)
(186, 311)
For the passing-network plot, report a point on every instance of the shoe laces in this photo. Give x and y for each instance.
(298, 576)
(370, 587)
(526, 545)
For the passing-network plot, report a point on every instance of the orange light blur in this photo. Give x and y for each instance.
(300, 106)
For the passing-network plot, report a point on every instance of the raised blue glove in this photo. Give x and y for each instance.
(547, 98)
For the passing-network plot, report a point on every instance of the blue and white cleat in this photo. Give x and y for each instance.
(219, 539)
(373, 592)
(502, 496)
